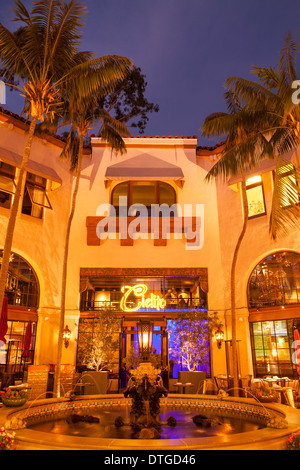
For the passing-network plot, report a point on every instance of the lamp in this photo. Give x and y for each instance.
(66, 336)
(145, 339)
(219, 335)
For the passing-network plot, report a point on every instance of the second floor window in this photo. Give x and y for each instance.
(255, 196)
(145, 193)
(35, 197)
(7, 184)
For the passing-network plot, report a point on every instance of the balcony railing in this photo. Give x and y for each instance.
(172, 305)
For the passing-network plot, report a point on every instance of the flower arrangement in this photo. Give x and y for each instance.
(143, 370)
(6, 440)
(293, 441)
(263, 392)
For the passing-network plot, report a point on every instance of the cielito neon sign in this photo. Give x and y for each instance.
(139, 290)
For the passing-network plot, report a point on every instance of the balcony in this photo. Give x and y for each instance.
(157, 228)
(174, 305)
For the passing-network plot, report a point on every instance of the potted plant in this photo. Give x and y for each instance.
(191, 332)
(264, 393)
(98, 350)
(13, 397)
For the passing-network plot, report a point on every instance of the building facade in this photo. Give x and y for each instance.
(136, 266)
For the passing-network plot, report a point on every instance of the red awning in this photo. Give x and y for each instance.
(3, 320)
(27, 341)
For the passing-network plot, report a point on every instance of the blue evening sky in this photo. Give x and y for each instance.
(186, 49)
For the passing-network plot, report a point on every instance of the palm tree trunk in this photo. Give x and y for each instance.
(233, 288)
(14, 210)
(64, 273)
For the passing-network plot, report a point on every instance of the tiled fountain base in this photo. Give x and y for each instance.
(47, 410)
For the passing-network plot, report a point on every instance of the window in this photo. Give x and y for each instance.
(7, 184)
(35, 197)
(11, 360)
(144, 193)
(273, 348)
(275, 281)
(179, 292)
(255, 196)
(288, 176)
(22, 286)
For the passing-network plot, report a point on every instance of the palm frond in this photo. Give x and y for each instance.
(67, 30)
(285, 212)
(250, 93)
(12, 57)
(287, 61)
(21, 13)
(267, 77)
(98, 75)
(237, 157)
(218, 124)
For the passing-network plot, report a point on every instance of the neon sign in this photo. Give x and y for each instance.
(139, 290)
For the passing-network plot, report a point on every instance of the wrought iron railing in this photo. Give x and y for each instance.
(174, 304)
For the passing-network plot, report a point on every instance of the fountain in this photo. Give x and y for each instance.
(147, 417)
(145, 388)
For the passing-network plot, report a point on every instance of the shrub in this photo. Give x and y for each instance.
(293, 441)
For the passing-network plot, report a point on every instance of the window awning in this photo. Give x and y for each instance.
(264, 166)
(37, 168)
(144, 167)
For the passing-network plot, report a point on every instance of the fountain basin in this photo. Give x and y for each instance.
(248, 409)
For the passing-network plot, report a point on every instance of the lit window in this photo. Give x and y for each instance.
(7, 184)
(255, 196)
(35, 197)
(144, 193)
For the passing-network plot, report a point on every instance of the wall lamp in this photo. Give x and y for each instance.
(66, 336)
(219, 336)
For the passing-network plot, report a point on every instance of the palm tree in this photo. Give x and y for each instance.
(83, 114)
(268, 125)
(271, 99)
(44, 55)
(240, 152)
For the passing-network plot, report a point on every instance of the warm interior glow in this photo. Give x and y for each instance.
(253, 180)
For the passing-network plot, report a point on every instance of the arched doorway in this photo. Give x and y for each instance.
(274, 313)
(22, 291)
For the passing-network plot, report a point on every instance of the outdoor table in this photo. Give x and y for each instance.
(184, 386)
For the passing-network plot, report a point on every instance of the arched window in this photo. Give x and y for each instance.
(22, 286)
(275, 281)
(144, 193)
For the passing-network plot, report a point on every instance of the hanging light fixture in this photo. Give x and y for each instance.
(145, 329)
(219, 336)
(66, 336)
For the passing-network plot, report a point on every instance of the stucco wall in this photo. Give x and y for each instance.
(41, 242)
